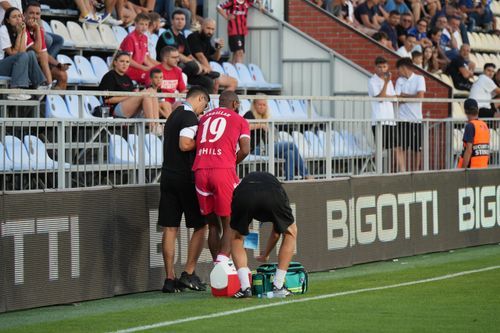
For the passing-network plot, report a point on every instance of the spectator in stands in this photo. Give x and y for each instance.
(172, 78)
(435, 37)
(153, 29)
(368, 15)
(383, 39)
(15, 61)
(479, 14)
(483, 90)
(380, 85)
(418, 59)
(397, 5)
(432, 7)
(136, 44)
(461, 69)
(201, 47)
(458, 30)
(197, 75)
(420, 33)
(294, 163)
(430, 61)
(342, 9)
(448, 41)
(189, 8)
(127, 106)
(404, 25)
(235, 12)
(51, 68)
(406, 50)
(389, 27)
(320, 3)
(409, 145)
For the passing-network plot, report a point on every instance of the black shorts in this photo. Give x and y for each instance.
(388, 135)
(236, 43)
(270, 204)
(178, 196)
(487, 113)
(409, 136)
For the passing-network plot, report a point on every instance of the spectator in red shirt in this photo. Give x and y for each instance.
(235, 12)
(172, 78)
(136, 44)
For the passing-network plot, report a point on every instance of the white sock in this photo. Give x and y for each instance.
(279, 278)
(243, 276)
(222, 258)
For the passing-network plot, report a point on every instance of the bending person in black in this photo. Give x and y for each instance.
(178, 194)
(260, 196)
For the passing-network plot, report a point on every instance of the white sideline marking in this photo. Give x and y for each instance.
(307, 299)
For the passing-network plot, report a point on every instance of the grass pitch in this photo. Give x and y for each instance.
(391, 296)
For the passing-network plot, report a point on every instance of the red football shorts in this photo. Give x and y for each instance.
(214, 188)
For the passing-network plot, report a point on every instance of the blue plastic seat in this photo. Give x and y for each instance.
(55, 107)
(38, 154)
(119, 150)
(258, 77)
(155, 148)
(17, 153)
(133, 141)
(85, 70)
(5, 162)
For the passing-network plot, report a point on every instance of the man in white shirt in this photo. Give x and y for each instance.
(483, 90)
(409, 85)
(405, 50)
(380, 85)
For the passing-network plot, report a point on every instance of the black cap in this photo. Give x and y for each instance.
(470, 104)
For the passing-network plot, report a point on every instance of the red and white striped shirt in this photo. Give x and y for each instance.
(238, 25)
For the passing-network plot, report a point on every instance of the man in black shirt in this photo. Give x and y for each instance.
(202, 49)
(260, 196)
(461, 69)
(174, 37)
(178, 194)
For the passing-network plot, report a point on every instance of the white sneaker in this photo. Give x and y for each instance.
(112, 21)
(19, 97)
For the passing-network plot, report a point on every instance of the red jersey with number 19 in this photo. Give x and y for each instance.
(218, 134)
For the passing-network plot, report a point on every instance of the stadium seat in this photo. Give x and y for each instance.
(17, 153)
(55, 107)
(246, 77)
(285, 136)
(245, 105)
(494, 140)
(298, 109)
(133, 142)
(78, 35)
(315, 145)
(352, 146)
(109, 61)
(73, 76)
(87, 75)
(457, 111)
(108, 37)
(119, 150)
(303, 145)
(155, 148)
(120, 33)
(259, 77)
(72, 105)
(216, 67)
(38, 154)
(94, 36)
(457, 141)
(285, 109)
(5, 162)
(60, 29)
(214, 103)
(46, 26)
(275, 111)
(89, 103)
(232, 72)
(99, 66)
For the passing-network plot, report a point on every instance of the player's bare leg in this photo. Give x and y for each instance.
(214, 234)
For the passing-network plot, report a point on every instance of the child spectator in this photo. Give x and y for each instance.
(430, 60)
(417, 58)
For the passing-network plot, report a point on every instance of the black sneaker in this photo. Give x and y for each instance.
(243, 293)
(282, 292)
(192, 281)
(172, 286)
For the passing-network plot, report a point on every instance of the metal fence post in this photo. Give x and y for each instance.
(426, 145)
(329, 150)
(379, 153)
(270, 147)
(140, 150)
(61, 156)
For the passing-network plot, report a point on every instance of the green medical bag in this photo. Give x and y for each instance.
(295, 280)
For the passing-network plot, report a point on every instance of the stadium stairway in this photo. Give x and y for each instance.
(359, 48)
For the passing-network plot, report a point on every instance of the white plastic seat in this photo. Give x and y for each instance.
(315, 145)
(285, 137)
(93, 36)
(232, 72)
(216, 67)
(494, 140)
(245, 106)
(339, 146)
(55, 107)
(298, 109)
(285, 109)
(73, 76)
(259, 77)
(275, 111)
(120, 33)
(17, 153)
(300, 141)
(155, 148)
(77, 34)
(133, 142)
(99, 66)
(245, 76)
(457, 141)
(38, 154)
(119, 150)
(72, 105)
(108, 37)
(60, 29)
(89, 103)
(5, 162)
(46, 26)
(85, 70)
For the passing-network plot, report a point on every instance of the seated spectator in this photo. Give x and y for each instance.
(140, 6)
(448, 41)
(420, 33)
(402, 29)
(458, 29)
(202, 49)
(417, 58)
(389, 27)
(153, 29)
(51, 68)
(406, 50)
(173, 36)
(172, 80)
(118, 80)
(461, 69)
(189, 8)
(435, 37)
(397, 5)
(294, 163)
(483, 90)
(136, 44)
(432, 7)
(383, 39)
(479, 14)
(430, 59)
(342, 9)
(15, 61)
(368, 15)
